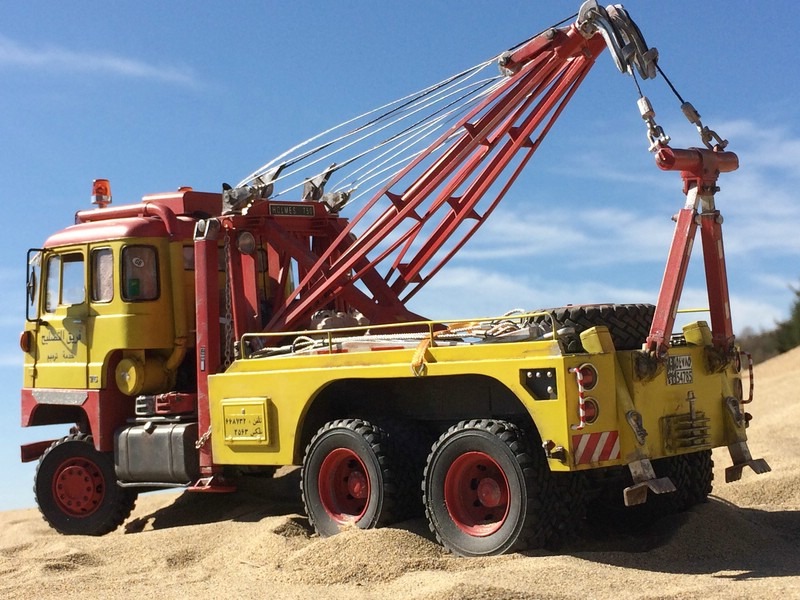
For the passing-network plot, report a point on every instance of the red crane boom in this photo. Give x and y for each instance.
(444, 192)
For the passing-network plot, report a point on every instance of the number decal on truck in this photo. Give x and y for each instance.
(679, 370)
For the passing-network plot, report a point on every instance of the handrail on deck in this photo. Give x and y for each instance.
(452, 327)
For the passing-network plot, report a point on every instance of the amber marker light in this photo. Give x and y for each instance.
(101, 192)
(25, 341)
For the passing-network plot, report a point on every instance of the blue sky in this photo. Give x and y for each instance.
(156, 95)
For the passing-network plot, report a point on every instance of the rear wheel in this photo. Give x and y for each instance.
(483, 490)
(701, 482)
(76, 488)
(349, 477)
(692, 475)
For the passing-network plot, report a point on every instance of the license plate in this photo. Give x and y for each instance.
(679, 370)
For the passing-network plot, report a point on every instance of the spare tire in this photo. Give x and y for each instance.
(629, 324)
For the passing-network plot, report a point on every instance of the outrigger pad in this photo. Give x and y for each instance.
(637, 493)
(741, 457)
(644, 478)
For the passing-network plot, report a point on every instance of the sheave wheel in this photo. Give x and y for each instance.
(76, 488)
(484, 490)
(348, 477)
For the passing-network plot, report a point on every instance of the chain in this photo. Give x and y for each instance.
(203, 439)
(228, 319)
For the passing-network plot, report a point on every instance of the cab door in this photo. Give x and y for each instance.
(61, 341)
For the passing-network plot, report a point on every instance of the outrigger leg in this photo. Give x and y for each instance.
(741, 457)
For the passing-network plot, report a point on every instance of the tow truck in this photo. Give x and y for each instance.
(194, 338)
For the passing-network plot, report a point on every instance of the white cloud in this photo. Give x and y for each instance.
(746, 311)
(15, 54)
(774, 283)
(472, 292)
(760, 200)
(592, 236)
(464, 292)
(611, 167)
(766, 147)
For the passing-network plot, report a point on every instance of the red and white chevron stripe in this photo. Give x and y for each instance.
(595, 447)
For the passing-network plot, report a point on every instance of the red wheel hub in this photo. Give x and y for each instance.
(476, 494)
(78, 487)
(344, 486)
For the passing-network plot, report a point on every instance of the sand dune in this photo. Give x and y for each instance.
(743, 543)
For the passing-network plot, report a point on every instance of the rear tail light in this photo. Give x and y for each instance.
(591, 410)
(588, 376)
(588, 409)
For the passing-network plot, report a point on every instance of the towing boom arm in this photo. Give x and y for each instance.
(438, 193)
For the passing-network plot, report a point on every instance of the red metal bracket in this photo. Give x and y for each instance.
(435, 199)
(700, 170)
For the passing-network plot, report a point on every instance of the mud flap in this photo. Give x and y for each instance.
(644, 479)
(741, 457)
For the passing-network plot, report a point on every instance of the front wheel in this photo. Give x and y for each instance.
(76, 488)
(483, 490)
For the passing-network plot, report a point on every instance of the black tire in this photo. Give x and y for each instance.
(76, 488)
(408, 444)
(629, 324)
(349, 477)
(701, 482)
(484, 490)
(569, 503)
(692, 475)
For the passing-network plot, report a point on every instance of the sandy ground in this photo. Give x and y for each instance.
(743, 543)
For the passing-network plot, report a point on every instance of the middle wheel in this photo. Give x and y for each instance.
(347, 477)
(484, 490)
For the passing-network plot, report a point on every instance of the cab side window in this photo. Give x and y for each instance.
(102, 275)
(139, 273)
(73, 280)
(52, 293)
(66, 281)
